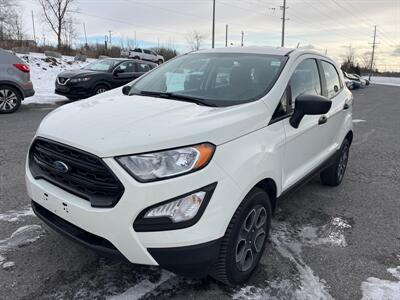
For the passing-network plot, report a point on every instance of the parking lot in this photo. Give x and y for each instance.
(325, 243)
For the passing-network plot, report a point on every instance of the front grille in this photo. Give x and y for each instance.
(78, 172)
(62, 80)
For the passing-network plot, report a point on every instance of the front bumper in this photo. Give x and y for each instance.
(73, 90)
(114, 226)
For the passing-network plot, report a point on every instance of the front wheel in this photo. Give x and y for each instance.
(100, 89)
(333, 176)
(244, 240)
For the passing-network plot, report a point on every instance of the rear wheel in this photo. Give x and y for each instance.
(10, 99)
(244, 240)
(100, 89)
(160, 61)
(333, 176)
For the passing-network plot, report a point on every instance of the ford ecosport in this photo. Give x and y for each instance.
(184, 167)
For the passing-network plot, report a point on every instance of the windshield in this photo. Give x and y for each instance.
(103, 65)
(220, 79)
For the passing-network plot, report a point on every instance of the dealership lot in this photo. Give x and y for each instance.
(326, 242)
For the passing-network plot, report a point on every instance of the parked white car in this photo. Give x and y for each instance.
(143, 54)
(185, 167)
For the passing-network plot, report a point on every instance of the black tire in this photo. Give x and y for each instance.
(99, 89)
(334, 175)
(10, 99)
(160, 61)
(136, 57)
(231, 268)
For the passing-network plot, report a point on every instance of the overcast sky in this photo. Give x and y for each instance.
(327, 25)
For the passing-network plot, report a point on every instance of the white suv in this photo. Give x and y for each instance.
(185, 167)
(145, 54)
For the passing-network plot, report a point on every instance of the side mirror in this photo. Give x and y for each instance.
(126, 90)
(308, 104)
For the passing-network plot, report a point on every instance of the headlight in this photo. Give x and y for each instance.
(80, 79)
(179, 210)
(176, 213)
(168, 163)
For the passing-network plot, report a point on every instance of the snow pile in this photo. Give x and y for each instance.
(395, 81)
(375, 288)
(44, 71)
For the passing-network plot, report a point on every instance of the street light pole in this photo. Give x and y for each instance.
(213, 25)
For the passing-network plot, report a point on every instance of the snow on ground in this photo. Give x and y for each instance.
(395, 81)
(44, 73)
(23, 236)
(289, 240)
(16, 215)
(379, 289)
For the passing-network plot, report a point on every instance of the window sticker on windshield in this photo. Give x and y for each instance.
(275, 63)
(175, 81)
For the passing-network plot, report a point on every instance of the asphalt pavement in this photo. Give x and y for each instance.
(325, 243)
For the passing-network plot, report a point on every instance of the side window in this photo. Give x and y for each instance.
(332, 79)
(127, 67)
(305, 79)
(142, 67)
(138, 50)
(146, 51)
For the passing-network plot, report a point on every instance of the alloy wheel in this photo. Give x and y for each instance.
(251, 238)
(344, 157)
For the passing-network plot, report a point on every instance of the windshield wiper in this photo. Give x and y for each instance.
(180, 97)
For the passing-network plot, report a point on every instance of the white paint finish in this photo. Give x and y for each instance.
(248, 150)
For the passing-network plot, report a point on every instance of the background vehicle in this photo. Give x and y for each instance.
(15, 82)
(356, 83)
(349, 83)
(364, 81)
(199, 151)
(100, 76)
(144, 54)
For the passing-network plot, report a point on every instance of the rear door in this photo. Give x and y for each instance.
(337, 114)
(305, 144)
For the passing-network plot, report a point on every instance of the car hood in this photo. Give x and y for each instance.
(111, 124)
(78, 72)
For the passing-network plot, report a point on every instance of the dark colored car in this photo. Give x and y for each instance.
(100, 76)
(15, 82)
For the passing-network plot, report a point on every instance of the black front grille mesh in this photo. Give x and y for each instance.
(87, 176)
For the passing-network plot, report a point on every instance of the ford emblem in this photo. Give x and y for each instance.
(61, 166)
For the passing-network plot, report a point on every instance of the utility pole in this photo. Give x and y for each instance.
(213, 25)
(373, 53)
(242, 39)
(84, 30)
(226, 35)
(109, 32)
(33, 25)
(283, 22)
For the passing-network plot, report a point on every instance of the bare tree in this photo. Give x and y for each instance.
(10, 22)
(195, 40)
(366, 60)
(69, 33)
(56, 14)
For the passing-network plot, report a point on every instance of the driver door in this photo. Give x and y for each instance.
(305, 144)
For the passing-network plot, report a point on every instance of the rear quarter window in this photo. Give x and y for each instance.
(333, 83)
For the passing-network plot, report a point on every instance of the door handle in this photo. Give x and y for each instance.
(322, 120)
